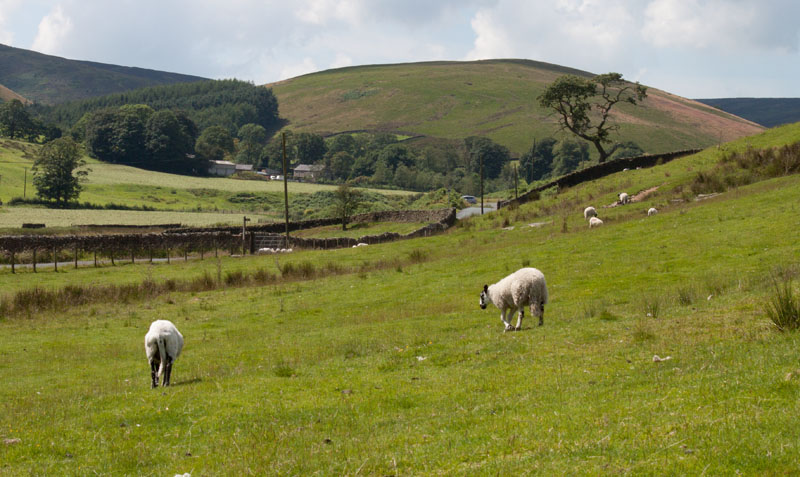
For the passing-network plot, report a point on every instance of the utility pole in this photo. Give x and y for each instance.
(285, 190)
(481, 157)
(244, 233)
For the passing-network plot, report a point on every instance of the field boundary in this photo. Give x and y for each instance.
(597, 171)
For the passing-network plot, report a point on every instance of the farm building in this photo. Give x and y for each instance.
(227, 168)
(221, 168)
(309, 172)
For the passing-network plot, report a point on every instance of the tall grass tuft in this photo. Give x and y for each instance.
(651, 305)
(687, 295)
(783, 307)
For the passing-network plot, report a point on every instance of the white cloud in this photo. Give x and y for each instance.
(267, 40)
(490, 38)
(53, 29)
(691, 23)
(7, 8)
(298, 69)
(341, 61)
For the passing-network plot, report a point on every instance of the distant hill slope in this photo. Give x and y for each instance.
(7, 95)
(493, 98)
(768, 112)
(50, 79)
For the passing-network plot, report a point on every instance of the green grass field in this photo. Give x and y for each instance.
(359, 230)
(393, 369)
(188, 200)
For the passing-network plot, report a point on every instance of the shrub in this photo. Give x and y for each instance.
(783, 307)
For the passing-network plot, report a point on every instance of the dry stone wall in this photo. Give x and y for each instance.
(597, 171)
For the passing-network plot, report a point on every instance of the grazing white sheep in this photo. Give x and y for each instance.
(651, 211)
(624, 198)
(162, 343)
(525, 287)
(595, 222)
(589, 212)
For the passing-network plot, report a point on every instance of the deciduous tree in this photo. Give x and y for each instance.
(55, 171)
(583, 105)
(346, 202)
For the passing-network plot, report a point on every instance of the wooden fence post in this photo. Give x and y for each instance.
(95, 258)
(55, 259)
(112, 257)
(76, 256)
(12, 263)
(34, 260)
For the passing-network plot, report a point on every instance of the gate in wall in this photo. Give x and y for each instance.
(268, 240)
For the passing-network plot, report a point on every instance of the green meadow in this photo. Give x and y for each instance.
(378, 361)
(194, 201)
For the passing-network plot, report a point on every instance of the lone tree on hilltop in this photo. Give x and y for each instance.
(346, 201)
(53, 171)
(583, 105)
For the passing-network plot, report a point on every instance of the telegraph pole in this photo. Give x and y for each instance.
(481, 157)
(285, 191)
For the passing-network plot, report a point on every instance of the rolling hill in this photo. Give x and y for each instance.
(8, 95)
(768, 112)
(493, 98)
(50, 79)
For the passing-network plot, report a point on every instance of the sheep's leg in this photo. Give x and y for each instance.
(519, 318)
(507, 322)
(154, 374)
(541, 317)
(167, 370)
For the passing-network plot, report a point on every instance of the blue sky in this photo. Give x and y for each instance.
(693, 48)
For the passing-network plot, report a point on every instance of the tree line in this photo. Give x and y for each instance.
(227, 103)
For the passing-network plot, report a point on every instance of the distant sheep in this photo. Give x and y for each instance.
(651, 211)
(595, 222)
(589, 212)
(525, 287)
(624, 198)
(162, 343)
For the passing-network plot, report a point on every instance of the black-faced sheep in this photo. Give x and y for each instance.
(624, 198)
(162, 343)
(589, 212)
(525, 287)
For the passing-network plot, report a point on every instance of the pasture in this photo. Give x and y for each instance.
(381, 363)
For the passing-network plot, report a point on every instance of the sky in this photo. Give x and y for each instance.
(693, 48)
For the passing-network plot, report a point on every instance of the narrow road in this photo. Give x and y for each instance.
(476, 210)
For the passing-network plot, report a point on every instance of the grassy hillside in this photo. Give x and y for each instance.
(7, 95)
(381, 363)
(495, 98)
(177, 199)
(768, 112)
(50, 79)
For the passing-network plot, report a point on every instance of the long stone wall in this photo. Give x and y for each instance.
(431, 216)
(597, 171)
(447, 220)
(12, 244)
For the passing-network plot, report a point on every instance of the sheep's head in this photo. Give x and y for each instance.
(484, 296)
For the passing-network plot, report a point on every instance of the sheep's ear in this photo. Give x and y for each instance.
(486, 288)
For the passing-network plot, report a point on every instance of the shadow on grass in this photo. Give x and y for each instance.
(187, 382)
